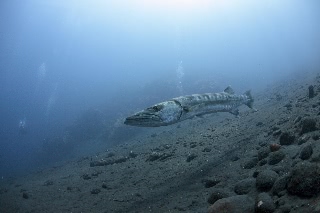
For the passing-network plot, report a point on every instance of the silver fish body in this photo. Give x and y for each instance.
(185, 107)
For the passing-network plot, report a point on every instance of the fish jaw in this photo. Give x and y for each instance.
(161, 114)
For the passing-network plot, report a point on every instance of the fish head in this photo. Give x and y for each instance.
(161, 114)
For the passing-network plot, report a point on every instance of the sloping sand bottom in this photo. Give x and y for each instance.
(177, 168)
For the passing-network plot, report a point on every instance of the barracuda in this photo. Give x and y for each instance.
(185, 107)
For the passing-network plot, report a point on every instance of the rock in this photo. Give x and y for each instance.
(285, 208)
(274, 147)
(276, 157)
(287, 138)
(297, 119)
(234, 204)
(210, 183)
(95, 191)
(101, 163)
(121, 160)
(264, 204)
(191, 157)
(207, 149)
(266, 179)
(86, 177)
(308, 125)
(278, 169)
(48, 183)
(303, 139)
(263, 153)
(244, 186)
(218, 194)
(250, 163)
(154, 156)
(311, 91)
(132, 154)
(277, 132)
(158, 156)
(306, 152)
(25, 195)
(263, 162)
(304, 180)
(280, 185)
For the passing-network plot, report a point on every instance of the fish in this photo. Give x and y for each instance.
(186, 107)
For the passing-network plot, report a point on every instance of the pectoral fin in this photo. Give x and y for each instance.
(235, 112)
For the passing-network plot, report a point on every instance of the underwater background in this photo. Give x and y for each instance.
(71, 71)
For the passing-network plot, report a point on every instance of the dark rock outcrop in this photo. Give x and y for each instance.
(276, 157)
(306, 152)
(234, 204)
(218, 194)
(304, 180)
(244, 186)
(266, 179)
(264, 204)
(308, 125)
(287, 138)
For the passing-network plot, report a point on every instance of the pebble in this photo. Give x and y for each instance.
(266, 179)
(264, 204)
(276, 157)
(306, 152)
(234, 204)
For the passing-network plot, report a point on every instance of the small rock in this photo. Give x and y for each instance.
(311, 91)
(121, 160)
(244, 186)
(210, 183)
(280, 185)
(263, 162)
(25, 195)
(86, 177)
(297, 119)
(132, 154)
(250, 163)
(234, 158)
(266, 179)
(48, 183)
(277, 132)
(105, 186)
(308, 125)
(191, 157)
(259, 123)
(263, 153)
(276, 157)
(287, 138)
(234, 204)
(264, 204)
(154, 156)
(306, 152)
(303, 139)
(305, 179)
(285, 208)
(274, 147)
(95, 191)
(218, 194)
(110, 154)
(207, 149)
(278, 169)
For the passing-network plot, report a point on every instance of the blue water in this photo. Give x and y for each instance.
(72, 70)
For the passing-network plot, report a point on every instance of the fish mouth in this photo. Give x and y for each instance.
(144, 120)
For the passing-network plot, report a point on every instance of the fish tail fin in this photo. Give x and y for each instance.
(250, 99)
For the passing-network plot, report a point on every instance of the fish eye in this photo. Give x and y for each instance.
(157, 108)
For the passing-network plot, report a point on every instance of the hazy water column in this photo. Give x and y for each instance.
(179, 69)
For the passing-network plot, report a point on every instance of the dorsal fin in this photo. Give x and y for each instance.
(229, 90)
